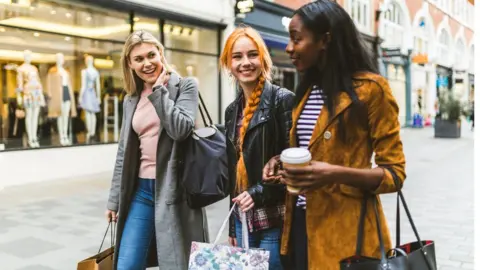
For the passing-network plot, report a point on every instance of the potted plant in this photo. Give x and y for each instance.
(448, 121)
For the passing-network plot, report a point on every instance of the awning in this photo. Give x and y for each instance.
(275, 41)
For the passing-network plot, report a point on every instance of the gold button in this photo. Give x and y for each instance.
(327, 135)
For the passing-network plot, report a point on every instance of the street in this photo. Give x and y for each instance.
(53, 225)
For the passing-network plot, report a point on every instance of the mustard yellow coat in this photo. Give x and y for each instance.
(333, 211)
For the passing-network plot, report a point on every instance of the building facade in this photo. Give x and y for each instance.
(424, 47)
(43, 40)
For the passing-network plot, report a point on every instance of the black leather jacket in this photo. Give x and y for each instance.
(273, 120)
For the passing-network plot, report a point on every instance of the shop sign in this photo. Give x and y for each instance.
(391, 52)
(420, 59)
(243, 7)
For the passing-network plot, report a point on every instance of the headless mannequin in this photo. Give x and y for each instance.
(28, 78)
(63, 119)
(90, 116)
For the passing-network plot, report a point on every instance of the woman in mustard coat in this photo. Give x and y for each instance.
(344, 113)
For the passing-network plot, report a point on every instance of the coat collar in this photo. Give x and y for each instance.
(324, 119)
(260, 115)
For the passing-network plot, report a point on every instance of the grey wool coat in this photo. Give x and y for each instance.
(176, 225)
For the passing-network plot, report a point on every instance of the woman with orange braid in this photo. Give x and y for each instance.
(257, 127)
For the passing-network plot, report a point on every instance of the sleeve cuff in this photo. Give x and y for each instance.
(112, 206)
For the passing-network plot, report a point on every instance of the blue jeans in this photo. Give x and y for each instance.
(266, 239)
(139, 230)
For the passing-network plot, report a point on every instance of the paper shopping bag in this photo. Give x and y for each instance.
(206, 256)
(102, 260)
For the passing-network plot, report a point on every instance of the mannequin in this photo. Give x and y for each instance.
(90, 96)
(29, 85)
(62, 99)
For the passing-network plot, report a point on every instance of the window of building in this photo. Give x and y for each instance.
(193, 51)
(443, 44)
(471, 59)
(393, 26)
(360, 12)
(459, 53)
(86, 43)
(421, 38)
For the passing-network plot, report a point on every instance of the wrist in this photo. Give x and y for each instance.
(337, 174)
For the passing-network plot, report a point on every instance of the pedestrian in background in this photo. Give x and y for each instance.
(257, 127)
(158, 111)
(354, 115)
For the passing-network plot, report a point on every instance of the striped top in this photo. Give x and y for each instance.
(306, 124)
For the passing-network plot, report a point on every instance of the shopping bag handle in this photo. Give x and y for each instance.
(244, 228)
(111, 226)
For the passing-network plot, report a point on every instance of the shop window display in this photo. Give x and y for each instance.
(53, 90)
(60, 76)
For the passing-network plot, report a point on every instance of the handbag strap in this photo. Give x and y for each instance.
(402, 198)
(410, 219)
(202, 108)
(203, 111)
(244, 228)
(361, 227)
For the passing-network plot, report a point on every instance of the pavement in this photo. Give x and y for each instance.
(55, 224)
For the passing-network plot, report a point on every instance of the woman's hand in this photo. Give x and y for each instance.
(310, 177)
(232, 241)
(162, 78)
(271, 170)
(111, 216)
(245, 201)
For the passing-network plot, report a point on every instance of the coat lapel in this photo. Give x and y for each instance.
(173, 87)
(324, 120)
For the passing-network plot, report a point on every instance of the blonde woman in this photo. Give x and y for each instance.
(257, 125)
(145, 198)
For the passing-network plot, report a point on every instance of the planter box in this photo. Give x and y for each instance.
(447, 129)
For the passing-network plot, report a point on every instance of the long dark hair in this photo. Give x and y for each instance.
(345, 55)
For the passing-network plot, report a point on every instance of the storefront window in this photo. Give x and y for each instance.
(60, 75)
(205, 70)
(64, 18)
(58, 88)
(193, 52)
(189, 38)
(150, 25)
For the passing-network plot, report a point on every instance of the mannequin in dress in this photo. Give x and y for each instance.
(90, 96)
(62, 100)
(30, 87)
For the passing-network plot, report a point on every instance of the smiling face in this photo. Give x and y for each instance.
(245, 63)
(145, 60)
(303, 48)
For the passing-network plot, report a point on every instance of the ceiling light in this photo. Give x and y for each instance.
(176, 30)
(36, 34)
(136, 19)
(89, 18)
(67, 38)
(68, 15)
(53, 12)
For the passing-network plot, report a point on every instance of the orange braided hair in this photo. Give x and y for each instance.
(251, 106)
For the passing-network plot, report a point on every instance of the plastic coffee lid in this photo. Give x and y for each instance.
(295, 156)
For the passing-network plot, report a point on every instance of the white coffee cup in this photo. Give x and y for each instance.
(295, 157)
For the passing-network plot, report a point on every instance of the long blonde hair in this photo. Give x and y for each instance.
(131, 82)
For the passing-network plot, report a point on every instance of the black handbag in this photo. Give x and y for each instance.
(204, 164)
(419, 255)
